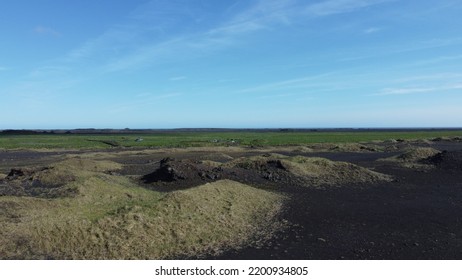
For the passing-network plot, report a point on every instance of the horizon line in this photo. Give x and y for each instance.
(236, 128)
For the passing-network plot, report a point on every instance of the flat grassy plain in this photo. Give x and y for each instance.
(209, 139)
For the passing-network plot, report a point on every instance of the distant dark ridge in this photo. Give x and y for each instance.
(19, 132)
(92, 131)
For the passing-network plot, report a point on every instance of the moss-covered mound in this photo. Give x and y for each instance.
(113, 218)
(310, 171)
(417, 154)
(414, 158)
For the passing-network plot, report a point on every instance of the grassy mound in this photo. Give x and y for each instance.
(321, 171)
(220, 157)
(86, 164)
(417, 154)
(344, 147)
(255, 162)
(52, 181)
(45, 182)
(113, 218)
(230, 214)
(312, 171)
(354, 147)
(414, 158)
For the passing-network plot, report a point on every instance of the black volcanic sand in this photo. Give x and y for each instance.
(418, 215)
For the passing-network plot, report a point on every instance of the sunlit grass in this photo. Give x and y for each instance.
(112, 217)
(208, 139)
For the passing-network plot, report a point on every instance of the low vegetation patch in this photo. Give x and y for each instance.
(321, 171)
(345, 147)
(414, 157)
(45, 182)
(417, 154)
(309, 171)
(17, 140)
(111, 217)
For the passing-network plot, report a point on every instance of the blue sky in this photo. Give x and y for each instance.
(233, 64)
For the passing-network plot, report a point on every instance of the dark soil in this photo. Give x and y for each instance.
(415, 217)
(175, 174)
(413, 220)
(447, 160)
(29, 182)
(182, 173)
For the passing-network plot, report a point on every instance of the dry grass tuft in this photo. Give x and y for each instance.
(417, 154)
(413, 158)
(321, 171)
(77, 163)
(220, 157)
(344, 147)
(112, 218)
(302, 149)
(314, 171)
(211, 163)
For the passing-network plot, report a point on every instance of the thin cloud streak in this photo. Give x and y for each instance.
(285, 84)
(179, 78)
(417, 90)
(332, 7)
(42, 30)
(416, 46)
(437, 76)
(438, 60)
(372, 30)
(259, 17)
(265, 12)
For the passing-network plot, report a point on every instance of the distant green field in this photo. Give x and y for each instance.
(202, 139)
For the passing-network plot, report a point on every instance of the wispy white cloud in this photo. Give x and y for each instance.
(3, 68)
(288, 99)
(262, 15)
(371, 30)
(410, 47)
(237, 28)
(30, 95)
(438, 60)
(178, 78)
(291, 83)
(331, 7)
(417, 90)
(446, 76)
(42, 86)
(147, 55)
(143, 94)
(49, 71)
(144, 40)
(42, 30)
